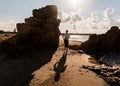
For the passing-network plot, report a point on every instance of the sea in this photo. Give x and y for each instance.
(80, 38)
(110, 59)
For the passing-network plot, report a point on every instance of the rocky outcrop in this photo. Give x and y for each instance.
(102, 45)
(107, 42)
(40, 29)
(109, 74)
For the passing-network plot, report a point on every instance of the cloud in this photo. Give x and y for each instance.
(111, 18)
(8, 25)
(93, 23)
(66, 19)
(69, 17)
(109, 13)
(63, 16)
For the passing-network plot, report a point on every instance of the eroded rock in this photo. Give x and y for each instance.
(109, 74)
(108, 42)
(40, 29)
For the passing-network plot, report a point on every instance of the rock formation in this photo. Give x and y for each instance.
(108, 42)
(40, 29)
(109, 74)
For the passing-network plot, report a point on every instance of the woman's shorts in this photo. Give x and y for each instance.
(66, 42)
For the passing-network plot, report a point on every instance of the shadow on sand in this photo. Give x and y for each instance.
(74, 47)
(17, 64)
(60, 66)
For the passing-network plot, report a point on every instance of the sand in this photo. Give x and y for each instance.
(47, 67)
(72, 75)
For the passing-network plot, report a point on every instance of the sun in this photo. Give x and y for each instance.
(78, 3)
(75, 2)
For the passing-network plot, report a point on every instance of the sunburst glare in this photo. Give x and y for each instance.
(75, 4)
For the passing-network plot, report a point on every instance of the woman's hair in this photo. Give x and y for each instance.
(66, 30)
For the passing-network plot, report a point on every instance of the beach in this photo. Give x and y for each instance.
(32, 51)
(74, 74)
(49, 67)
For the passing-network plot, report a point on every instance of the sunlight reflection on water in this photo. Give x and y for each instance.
(81, 38)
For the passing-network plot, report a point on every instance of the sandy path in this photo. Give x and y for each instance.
(74, 75)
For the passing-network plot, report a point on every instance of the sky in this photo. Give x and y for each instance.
(95, 16)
